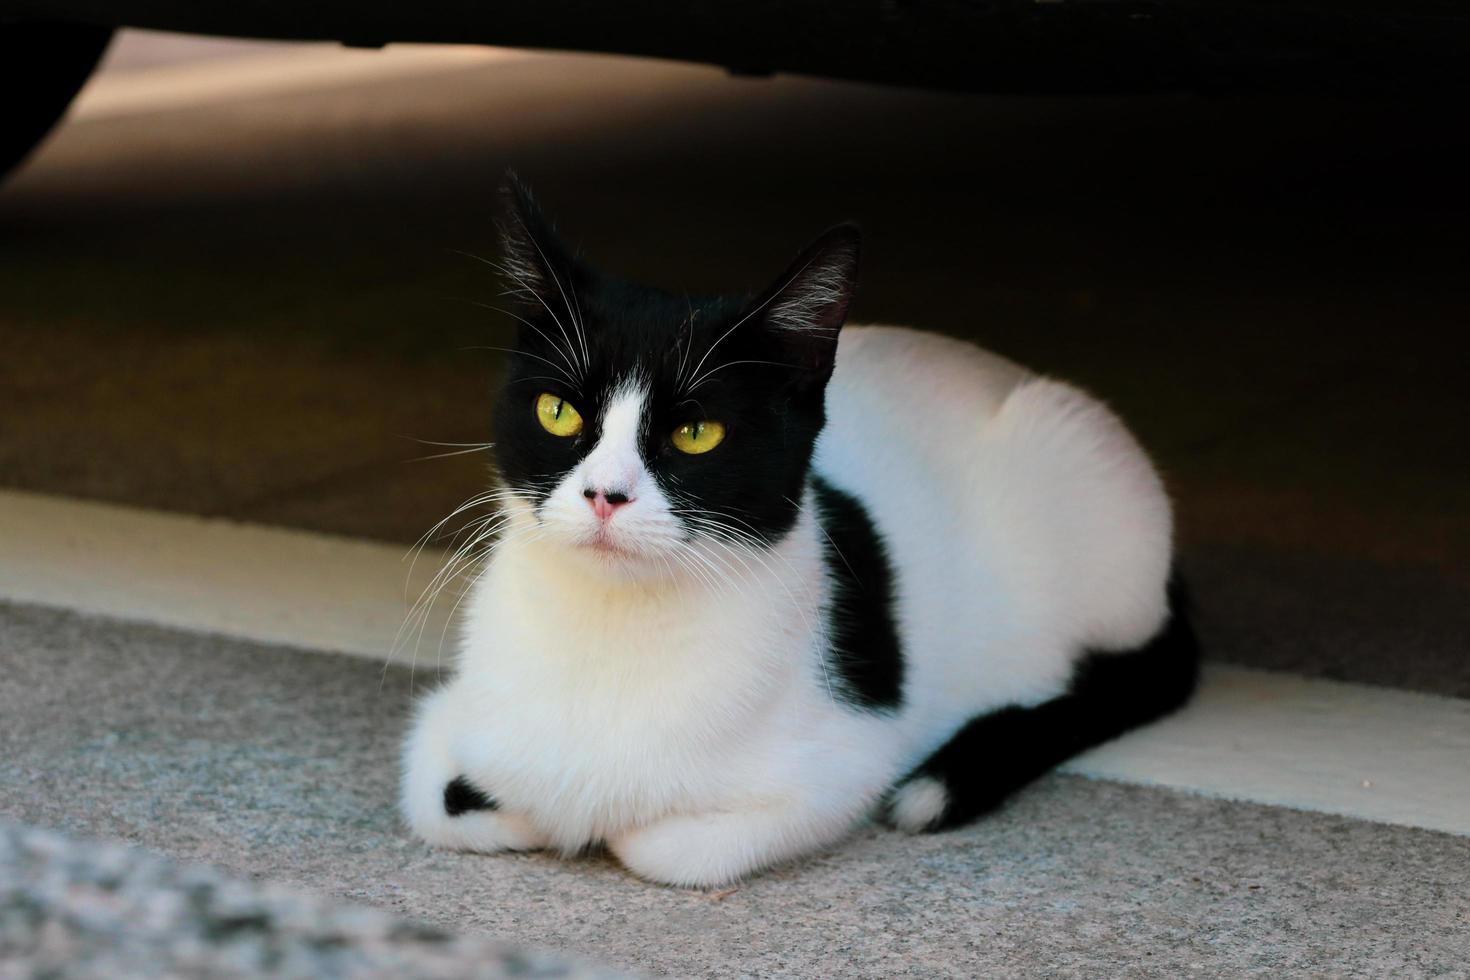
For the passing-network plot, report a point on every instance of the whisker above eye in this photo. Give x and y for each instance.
(767, 302)
(435, 442)
(534, 377)
(686, 338)
(483, 447)
(571, 364)
(508, 350)
(512, 274)
(551, 268)
(712, 371)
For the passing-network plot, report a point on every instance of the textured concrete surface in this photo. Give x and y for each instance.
(80, 909)
(278, 763)
(252, 309)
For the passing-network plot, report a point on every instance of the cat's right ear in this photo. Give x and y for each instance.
(539, 266)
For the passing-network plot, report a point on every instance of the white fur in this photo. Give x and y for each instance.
(823, 285)
(671, 701)
(917, 804)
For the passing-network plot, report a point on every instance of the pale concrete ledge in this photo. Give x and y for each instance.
(1394, 756)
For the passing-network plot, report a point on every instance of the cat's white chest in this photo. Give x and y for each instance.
(608, 715)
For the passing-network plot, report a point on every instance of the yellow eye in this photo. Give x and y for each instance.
(557, 416)
(698, 437)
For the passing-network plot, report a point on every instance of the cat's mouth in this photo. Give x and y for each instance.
(604, 542)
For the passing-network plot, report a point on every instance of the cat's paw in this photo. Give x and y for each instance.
(485, 833)
(465, 818)
(703, 851)
(918, 805)
(707, 850)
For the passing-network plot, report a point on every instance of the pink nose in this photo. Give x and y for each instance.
(605, 502)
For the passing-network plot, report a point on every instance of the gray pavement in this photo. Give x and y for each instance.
(277, 763)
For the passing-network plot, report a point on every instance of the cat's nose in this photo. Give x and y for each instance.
(605, 502)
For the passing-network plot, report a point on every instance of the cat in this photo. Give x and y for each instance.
(759, 575)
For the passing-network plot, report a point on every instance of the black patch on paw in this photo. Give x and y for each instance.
(864, 650)
(461, 797)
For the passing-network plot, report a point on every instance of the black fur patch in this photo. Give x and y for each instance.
(462, 797)
(996, 754)
(866, 653)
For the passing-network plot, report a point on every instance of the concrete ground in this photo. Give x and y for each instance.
(278, 763)
(253, 308)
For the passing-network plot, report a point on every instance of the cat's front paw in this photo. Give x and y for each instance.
(687, 851)
(706, 850)
(465, 818)
(485, 833)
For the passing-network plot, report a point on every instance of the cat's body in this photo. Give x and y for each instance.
(952, 602)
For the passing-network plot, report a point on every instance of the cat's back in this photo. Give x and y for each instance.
(916, 378)
(904, 409)
(1020, 515)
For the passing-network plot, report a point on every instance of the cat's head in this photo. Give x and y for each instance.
(637, 426)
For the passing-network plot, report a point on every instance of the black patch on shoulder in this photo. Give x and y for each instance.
(462, 797)
(997, 753)
(861, 632)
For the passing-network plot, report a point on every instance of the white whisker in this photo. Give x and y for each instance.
(507, 271)
(764, 303)
(539, 332)
(523, 353)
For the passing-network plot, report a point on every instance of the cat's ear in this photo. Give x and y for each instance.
(806, 307)
(539, 266)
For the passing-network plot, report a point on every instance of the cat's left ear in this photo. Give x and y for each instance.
(537, 262)
(805, 308)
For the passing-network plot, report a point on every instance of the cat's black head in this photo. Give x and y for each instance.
(635, 422)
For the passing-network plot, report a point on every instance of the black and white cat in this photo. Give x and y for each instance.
(760, 576)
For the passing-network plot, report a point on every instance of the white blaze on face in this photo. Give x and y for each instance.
(615, 465)
(642, 526)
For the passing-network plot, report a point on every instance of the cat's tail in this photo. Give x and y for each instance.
(997, 753)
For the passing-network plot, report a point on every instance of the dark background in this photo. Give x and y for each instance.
(253, 308)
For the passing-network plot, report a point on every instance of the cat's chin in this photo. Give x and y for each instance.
(605, 556)
(609, 549)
